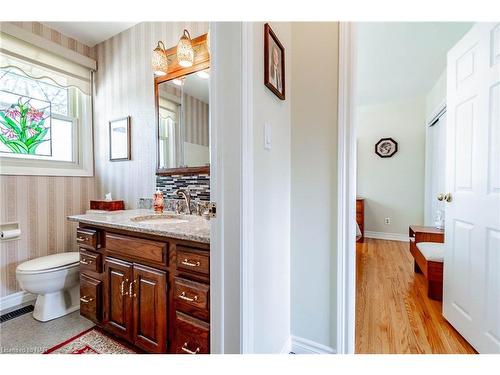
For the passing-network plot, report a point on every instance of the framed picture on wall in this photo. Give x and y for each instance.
(119, 139)
(274, 63)
(386, 147)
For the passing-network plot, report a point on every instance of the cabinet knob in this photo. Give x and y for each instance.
(185, 349)
(440, 197)
(447, 197)
(84, 261)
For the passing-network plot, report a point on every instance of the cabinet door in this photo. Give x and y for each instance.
(150, 309)
(117, 303)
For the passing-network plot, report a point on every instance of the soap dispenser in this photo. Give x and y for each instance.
(158, 202)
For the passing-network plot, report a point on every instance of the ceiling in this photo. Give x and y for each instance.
(402, 59)
(90, 33)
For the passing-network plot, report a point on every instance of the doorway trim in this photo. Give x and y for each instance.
(346, 195)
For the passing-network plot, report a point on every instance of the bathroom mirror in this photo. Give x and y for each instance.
(182, 115)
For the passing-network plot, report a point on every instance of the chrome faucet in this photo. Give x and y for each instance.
(186, 194)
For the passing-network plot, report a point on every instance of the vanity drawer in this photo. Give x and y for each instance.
(90, 261)
(88, 238)
(90, 297)
(192, 336)
(190, 294)
(193, 260)
(153, 251)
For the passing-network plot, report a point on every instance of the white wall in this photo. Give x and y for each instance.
(271, 250)
(313, 176)
(393, 187)
(436, 95)
(124, 87)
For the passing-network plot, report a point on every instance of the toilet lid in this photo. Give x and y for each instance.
(49, 261)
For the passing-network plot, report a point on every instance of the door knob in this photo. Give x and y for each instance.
(447, 197)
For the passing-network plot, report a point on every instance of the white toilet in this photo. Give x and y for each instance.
(55, 279)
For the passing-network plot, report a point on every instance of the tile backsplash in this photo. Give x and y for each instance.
(199, 185)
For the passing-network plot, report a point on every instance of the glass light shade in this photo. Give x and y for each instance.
(185, 51)
(159, 60)
(208, 41)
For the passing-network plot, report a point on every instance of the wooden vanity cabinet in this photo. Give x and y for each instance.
(150, 291)
(135, 304)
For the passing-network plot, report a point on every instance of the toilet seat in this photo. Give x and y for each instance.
(49, 263)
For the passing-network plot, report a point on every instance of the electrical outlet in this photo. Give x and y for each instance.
(387, 220)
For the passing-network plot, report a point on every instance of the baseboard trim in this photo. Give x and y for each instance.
(387, 236)
(15, 299)
(301, 345)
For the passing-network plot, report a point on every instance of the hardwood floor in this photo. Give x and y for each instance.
(393, 312)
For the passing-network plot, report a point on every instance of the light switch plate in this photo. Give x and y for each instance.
(268, 138)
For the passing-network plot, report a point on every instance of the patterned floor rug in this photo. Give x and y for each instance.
(91, 341)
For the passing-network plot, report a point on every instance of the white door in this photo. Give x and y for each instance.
(471, 301)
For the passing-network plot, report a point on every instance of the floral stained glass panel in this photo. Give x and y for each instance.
(25, 125)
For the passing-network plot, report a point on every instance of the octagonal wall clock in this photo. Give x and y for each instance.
(386, 147)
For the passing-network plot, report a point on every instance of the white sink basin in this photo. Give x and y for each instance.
(159, 219)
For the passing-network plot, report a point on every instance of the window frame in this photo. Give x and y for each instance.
(82, 164)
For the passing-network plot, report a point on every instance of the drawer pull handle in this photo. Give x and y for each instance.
(131, 293)
(185, 298)
(86, 299)
(122, 287)
(185, 349)
(186, 262)
(80, 239)
(84, 261)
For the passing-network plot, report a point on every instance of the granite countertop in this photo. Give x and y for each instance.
(184, 227)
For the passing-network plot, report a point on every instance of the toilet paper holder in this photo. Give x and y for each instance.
(10, 231)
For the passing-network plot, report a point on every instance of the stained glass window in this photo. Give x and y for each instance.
(34, 117)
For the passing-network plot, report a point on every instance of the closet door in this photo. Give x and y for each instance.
(436, 168)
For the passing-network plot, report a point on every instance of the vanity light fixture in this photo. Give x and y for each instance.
(203, 74)
(185, 51)
(159, 60)
(208, 41)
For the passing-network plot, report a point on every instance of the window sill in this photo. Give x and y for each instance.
(44, 168)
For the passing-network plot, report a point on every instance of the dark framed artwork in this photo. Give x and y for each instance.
(274, 63)
(386, 147)
(119, 139)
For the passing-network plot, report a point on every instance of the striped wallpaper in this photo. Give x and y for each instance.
(55, 36)
(196, 114)
(196, 120)
(124, 87)
(40, 204)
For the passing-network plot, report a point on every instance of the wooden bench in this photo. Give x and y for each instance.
(427, 249)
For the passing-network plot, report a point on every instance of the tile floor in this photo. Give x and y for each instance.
(24, 335)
